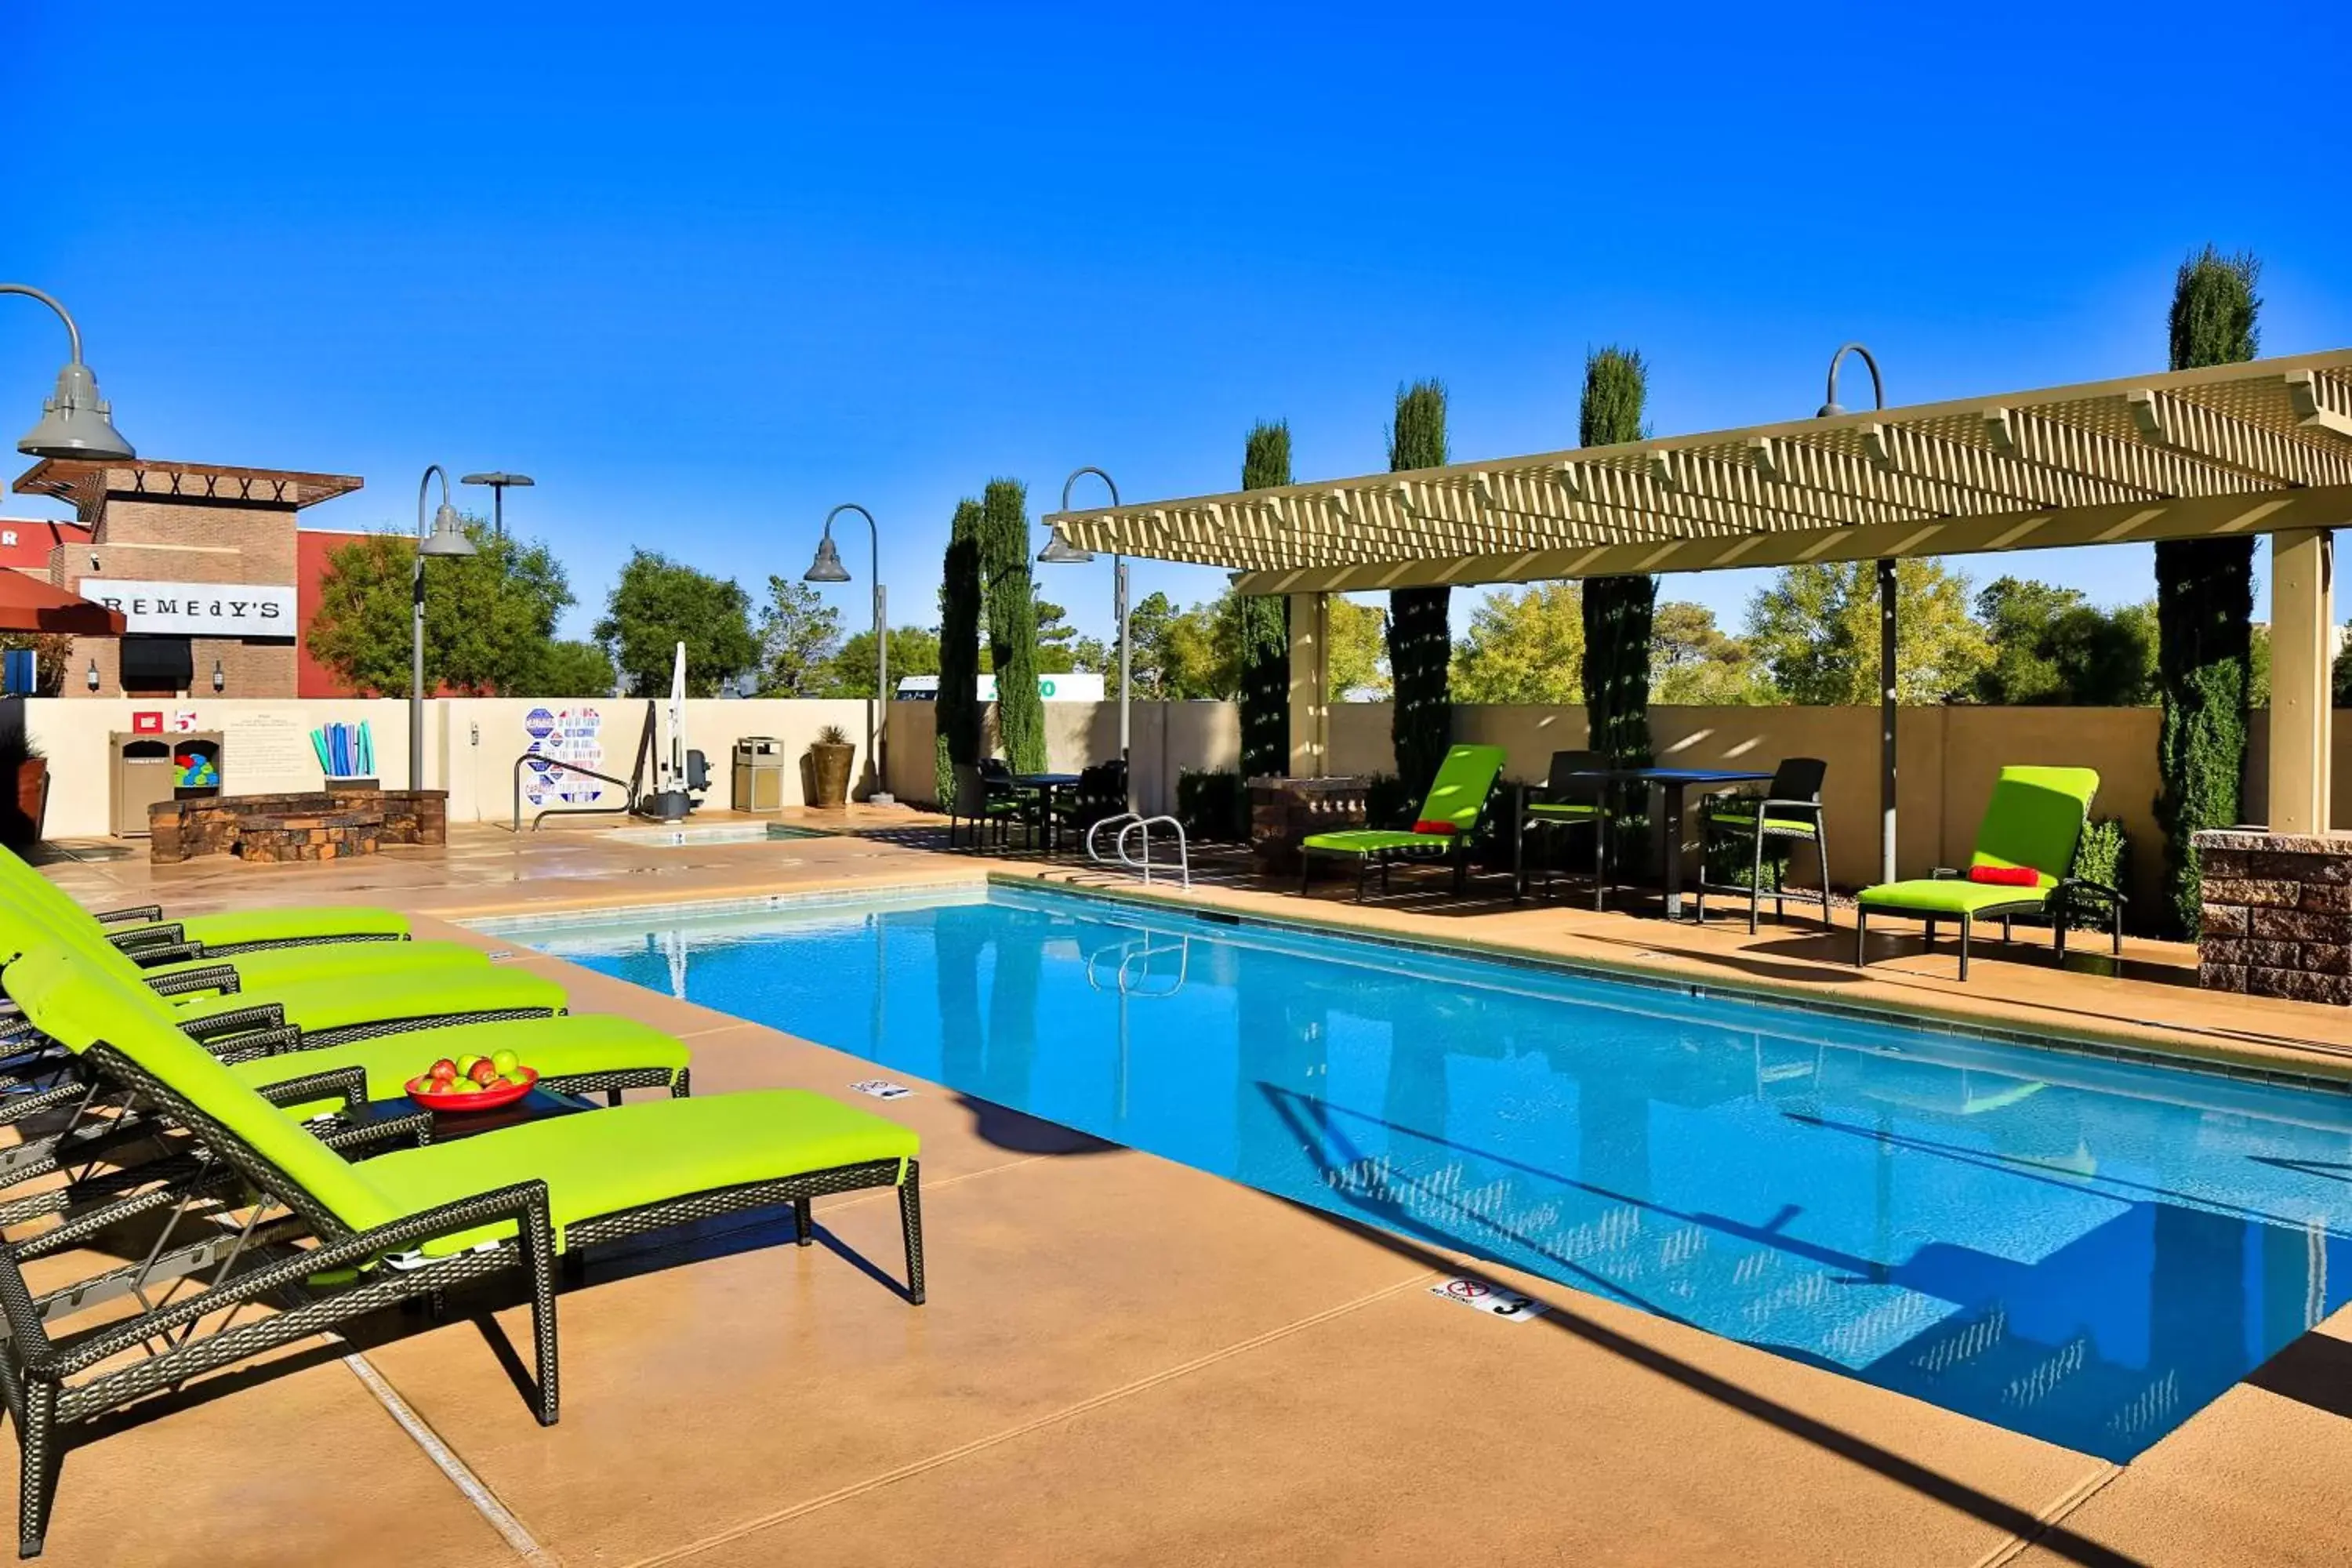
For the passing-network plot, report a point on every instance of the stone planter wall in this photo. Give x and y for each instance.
(324, 825)
(1284, 811)
(2277, 918)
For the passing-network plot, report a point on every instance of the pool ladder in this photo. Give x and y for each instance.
(1130, 823)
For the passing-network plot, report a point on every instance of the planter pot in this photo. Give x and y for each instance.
(829, 774)
(25, 809)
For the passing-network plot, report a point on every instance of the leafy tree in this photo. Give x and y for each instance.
(488, 617)
(1421, 638)
(2204, 609)
(2052, 647)
(1057, 640)
(1696, 664)
(1359, 650)
(659, 603)
(572, 669)
(1264, 623)
(1011, 622)
(851, 673)
(799, 635)
(52, 653)
(1523, 648)
(1816, 630)
(1618, 611)
(958, 714)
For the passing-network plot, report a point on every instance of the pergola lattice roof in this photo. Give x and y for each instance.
(2235, 449)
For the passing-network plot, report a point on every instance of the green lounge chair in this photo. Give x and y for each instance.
(343, 1240)
(1457, 800)
(171, 974)
(220, 935)
(2033, 822)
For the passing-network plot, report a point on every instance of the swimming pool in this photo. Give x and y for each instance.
(2082, 1249)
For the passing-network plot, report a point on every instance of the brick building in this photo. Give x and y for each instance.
(214, 579)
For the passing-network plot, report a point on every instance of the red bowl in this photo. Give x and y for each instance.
(488, 1100)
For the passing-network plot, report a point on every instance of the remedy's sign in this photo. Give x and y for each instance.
(198, 609)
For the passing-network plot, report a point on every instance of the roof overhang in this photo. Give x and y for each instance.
(2232, 450)
(84, 482)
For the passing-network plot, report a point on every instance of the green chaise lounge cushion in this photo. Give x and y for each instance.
(556, 1047)
(233, 927)
(1950, 896)
(278, 966)
(604, 1162)
(349, 999)
(2033, 820)
(1568, 810)
(1457, 796)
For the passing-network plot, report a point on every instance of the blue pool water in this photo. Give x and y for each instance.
(2080, 1250)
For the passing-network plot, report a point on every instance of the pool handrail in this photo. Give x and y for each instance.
(628, 793)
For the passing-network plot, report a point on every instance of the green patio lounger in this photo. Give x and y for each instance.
(2032, 823)
(257, 969)
(218, 935)
(1456, 803)
(326, 1241)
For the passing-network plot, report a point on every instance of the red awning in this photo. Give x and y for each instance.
(29, 605)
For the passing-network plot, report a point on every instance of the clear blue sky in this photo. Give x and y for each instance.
(707, 270)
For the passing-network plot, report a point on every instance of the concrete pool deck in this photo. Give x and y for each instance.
(1127, 1360)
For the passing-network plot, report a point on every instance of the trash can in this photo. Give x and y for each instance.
(759, 774)
(149, 769)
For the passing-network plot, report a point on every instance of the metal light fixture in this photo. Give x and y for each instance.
(77, 421)
(447, 539)
(1060, 553)
(220, 678)
(93, 675)
(498, 480)
(827, 568)
(1830, 409)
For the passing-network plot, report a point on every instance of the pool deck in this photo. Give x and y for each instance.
(1091, 1384)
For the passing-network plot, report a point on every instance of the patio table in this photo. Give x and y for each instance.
(1046, 785)
(1672, 784)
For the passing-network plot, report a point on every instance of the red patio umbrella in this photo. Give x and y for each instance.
(29, 605)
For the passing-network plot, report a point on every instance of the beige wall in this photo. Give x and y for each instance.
(1948, 761)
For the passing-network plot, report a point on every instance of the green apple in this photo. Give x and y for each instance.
(506, 1062)
(465, 1064)
(465, 1086)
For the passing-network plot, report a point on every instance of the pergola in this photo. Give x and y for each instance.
(2262, 447)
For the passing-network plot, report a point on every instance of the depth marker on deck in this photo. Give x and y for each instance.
(1489, 1297)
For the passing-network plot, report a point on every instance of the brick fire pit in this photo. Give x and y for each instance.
(2277, 914)
(326, 825)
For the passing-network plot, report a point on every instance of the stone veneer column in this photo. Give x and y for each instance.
(2277, 918)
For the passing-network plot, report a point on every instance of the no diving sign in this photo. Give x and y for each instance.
(1489, 1297)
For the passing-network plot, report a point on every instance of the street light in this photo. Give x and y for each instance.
(446, 538)
(1059, 553)
(77, 421)
(499, 482)
(1830, 409)
(827, 568)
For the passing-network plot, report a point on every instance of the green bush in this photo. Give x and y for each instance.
(956, 712)
(1005, 574)
(1264, 625)
(1214, 806)
(2103, 855)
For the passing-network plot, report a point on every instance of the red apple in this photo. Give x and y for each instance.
(441, 1071)
(484, 1073)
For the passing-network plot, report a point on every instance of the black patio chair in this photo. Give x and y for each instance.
(1789, 811)
(1564, 802)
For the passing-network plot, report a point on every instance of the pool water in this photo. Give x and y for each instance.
(2081, 1249)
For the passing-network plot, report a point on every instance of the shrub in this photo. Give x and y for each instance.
(1421, 637)
(1005, 575)
(958, 710)
(1265, 625)
(2103, 855)
(1214, 806)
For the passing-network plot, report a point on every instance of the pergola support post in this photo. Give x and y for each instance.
(1886, 630)
(2303, 650)
(1310, 685)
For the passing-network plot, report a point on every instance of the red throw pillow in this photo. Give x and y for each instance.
(2005, 876)
(1427, 824)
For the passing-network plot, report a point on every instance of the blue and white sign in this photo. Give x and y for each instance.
(561, 736)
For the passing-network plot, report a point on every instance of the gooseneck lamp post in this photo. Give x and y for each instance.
(1886, 629)
(1058, 554)
(76, 422)
(446, 537)
(827, 568)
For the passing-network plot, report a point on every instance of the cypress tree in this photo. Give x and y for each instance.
(2204, 610)
(1266, 627)
(956, 712)
(1421, 638)
(1005, 573)
(1618, 611)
